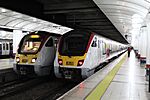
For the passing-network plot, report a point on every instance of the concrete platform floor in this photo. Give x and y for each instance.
(6, 63)
(129, 82)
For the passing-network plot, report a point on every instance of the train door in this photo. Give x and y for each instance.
(100, 49)
(107, 49)
(56, 42)
(47, 54)
(3, 48)
(110, 48)
(0, 48)
(7, 49)
(11, 49)
(103, 50)
(95, 50)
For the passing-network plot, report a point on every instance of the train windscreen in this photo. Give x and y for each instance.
(31, 44)
(74, 44)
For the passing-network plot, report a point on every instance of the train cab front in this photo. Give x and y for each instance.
(26, 57)
(24, 64)
(71, 67)
(71, 55)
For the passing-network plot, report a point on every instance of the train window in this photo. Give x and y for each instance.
(3, 46)
(104, 48)
(56, 42)
(94, 43)
(99, 43)
(6, 46)
(30, 45)
(74, 45)
(49, 43)
(11, 46)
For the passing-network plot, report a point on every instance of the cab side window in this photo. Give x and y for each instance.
(49, 43)
(94, 43)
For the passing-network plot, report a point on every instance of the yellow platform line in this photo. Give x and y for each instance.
(98, 92)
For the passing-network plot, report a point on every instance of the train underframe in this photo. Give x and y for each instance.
(73, 73)
(32, 70)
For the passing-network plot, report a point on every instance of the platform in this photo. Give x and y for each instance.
(123, 79)
(6, 63)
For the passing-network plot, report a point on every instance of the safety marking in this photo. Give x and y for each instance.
(98, 92)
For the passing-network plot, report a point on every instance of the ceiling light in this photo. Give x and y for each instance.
(147, 1)
(137, 19)
(121, 21)
(3, 10)
(34, 19)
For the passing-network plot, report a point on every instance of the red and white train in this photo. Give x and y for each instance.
(81, 52)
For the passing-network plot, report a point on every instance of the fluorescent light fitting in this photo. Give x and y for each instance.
(118, 10)
(34, 19)
(3, 10)
(147, 1)
(121, 21)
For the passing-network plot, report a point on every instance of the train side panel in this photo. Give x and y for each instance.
(45, 59)
(69, 65)
(92, 59)
(36, 54)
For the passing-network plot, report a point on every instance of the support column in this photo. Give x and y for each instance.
(148, 51)
(148, 47)
(143, 45)
(139, 45)
(135, 41)
(138, 56)
(136, 47)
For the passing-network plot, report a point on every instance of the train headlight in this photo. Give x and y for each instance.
(80, 62)
(60, 61)
(33, 60)
(17, 59)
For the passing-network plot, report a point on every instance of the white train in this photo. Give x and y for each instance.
(81, 52)
(6, 48)
(36, 54)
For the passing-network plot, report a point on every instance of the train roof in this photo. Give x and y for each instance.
(90, 32)
(45, 33)
(8, 40)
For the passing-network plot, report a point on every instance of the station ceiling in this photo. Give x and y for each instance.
(84, 14)
(14, 20)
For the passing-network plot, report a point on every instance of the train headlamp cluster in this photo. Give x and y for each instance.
(33, 60)
(80, 62)
(60, 61)
(17, 59)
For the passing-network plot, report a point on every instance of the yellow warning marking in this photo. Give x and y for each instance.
(98, 92)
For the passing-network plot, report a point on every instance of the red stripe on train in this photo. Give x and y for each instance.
(91, 37)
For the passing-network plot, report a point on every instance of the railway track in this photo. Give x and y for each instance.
(55, 92)
(33, 90)
(7, 84)
(36, 89)
(17, 86)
